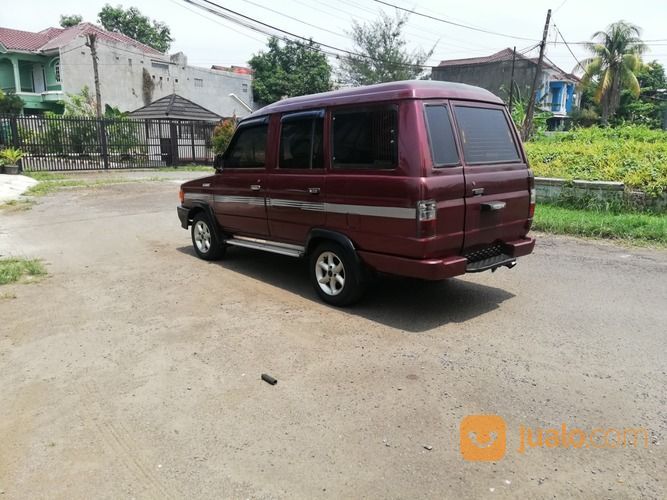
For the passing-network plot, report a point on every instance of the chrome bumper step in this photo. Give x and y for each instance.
(267, 246)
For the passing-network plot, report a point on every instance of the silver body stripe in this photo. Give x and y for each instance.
(336, 208)
(198, 196)
(249, 200)
(372, 210)
(302, 205)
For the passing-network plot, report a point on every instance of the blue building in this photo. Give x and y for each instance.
(556, 91)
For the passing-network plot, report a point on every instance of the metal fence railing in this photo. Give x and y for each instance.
(77, 143)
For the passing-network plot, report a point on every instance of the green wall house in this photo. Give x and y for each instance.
(30, 68)
(46, 67)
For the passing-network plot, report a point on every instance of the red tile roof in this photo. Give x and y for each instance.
(53, 38)
(26, 40)
(233, 69)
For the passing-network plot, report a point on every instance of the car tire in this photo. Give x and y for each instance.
(336, 274)
(205, 239)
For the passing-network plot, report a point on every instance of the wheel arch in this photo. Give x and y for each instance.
(201, 207)
(318, 235)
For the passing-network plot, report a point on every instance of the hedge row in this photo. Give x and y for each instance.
(634, 155)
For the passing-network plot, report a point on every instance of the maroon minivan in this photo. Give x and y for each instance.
(418, 178)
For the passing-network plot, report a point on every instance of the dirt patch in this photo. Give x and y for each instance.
(134, 370)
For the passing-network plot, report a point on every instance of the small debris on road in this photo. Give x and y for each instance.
(269, 379)
(428, 447)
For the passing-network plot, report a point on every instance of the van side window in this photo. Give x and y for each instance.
(365, 138)
(441, 136)
(301, 143)
(485, 136)
(248, 147)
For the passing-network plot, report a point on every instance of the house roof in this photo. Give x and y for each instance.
(502, 55)
(233, 69)
(53, 38)
(26, 40)
(506, 55)
(176, 107)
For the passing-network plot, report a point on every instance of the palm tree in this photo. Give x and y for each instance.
(617, 57)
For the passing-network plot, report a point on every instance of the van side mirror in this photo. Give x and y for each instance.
(218, 163)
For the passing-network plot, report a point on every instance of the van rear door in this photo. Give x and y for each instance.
(497, 192)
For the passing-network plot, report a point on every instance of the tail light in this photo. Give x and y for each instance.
(531, 187)
(427, 212)
(181, 196)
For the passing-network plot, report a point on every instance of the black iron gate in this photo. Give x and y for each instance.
(69, 143)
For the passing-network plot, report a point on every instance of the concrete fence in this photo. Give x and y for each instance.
(551, 190)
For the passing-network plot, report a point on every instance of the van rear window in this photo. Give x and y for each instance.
(365, 138)
(485, 135)
(441, 136)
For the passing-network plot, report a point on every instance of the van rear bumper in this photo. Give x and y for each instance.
(435, 269)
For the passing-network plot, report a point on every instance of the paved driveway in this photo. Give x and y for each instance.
(133, 370)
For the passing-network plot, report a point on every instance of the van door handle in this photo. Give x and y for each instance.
(314, 190)
(255, 187)
(491, 206)
(478, 191)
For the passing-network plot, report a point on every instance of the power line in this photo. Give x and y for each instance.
(438, 36)
(217, 21)
(439, 19)
(315, 45)
(482, 30)
(569, 49)
(295, 19)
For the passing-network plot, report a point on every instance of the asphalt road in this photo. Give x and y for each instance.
(133, 369)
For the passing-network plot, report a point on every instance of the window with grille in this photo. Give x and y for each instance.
(486, 136)
(366, 138)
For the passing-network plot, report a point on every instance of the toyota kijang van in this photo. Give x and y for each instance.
(419, 178)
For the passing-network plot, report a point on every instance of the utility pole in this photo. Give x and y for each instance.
(528, 122)
(91, 43)
(512, 80)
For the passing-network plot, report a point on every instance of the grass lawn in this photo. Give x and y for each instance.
(631, 227)
(187, 168)
(16, 205)
(13, 270)
(52, 181)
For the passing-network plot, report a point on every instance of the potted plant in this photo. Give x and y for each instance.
(11, 157)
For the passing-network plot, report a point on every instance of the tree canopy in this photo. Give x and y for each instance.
(382, 53)
(288, 70)
(613, 67)
(131, 22)
(67, 20)
(647, 107)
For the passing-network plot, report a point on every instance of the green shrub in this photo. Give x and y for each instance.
(11, 156)
(222, 134)
(634, 155)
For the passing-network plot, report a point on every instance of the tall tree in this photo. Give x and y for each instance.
(67, 21)
(382, 53)
(131, 22)
(613, 67)
(289, 70)
(647, 108)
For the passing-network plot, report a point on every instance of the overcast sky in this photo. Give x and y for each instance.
(207, 40)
